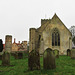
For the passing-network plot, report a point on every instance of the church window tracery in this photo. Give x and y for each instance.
(55, 38)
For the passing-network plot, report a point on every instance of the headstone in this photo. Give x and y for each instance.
(68, 52)
(34, 60)
(20, 55)
(1, 45)
(6, 59)
(8, 43)
(12, 54)
(73, 54)
(16, 55)
(56, 53)
(49, 59)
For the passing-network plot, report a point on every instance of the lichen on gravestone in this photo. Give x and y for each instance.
(49, 59)
(34, 60)
(73, 54)
(56, 53)
(6, 59)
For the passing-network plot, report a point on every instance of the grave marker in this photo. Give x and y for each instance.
(34, 60)
(49, 59)
(6, 59)
(68, 52)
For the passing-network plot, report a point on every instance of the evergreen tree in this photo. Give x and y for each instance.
(1, 45)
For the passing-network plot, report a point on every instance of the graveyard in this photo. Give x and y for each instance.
(40, 59)
(32, 63)
(64, 66)
(37, 37)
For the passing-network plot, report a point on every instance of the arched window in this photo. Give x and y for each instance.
(55, 38)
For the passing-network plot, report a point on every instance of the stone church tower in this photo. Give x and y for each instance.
(51, 34)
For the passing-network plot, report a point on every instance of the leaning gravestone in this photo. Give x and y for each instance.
(49, 59)
(73, 54)
(8, 43)
(34, 60)
(68, 52)
(56, 53)
(6, 59)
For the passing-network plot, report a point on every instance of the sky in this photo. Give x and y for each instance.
(17, 16)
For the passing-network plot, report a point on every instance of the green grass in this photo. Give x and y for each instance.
(64, 66)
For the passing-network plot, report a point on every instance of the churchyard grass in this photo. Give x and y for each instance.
(64, 66)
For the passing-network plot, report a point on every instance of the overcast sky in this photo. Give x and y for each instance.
(17, 16)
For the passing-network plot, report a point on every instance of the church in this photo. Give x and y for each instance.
(51, 34)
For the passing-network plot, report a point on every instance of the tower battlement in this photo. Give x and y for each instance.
(43, 21)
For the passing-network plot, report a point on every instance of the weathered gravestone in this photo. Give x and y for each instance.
(20, 55)
(68, 52)
(34, 60)
(12, 53)
(6, 59)
(49, 59)
(73, 54)
(1, 45)
(56, 53)
(17, 55)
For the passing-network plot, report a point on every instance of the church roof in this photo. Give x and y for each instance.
(55, 16)
(48, 21)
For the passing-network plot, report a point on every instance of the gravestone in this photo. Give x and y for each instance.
(6, 59)
(49, 59)
(68, 52)
(20, 55)
(8, 43)
(12, 53)
(1, 45)
(73, 54)
(15, 55)
(34, 60)
(56, 53)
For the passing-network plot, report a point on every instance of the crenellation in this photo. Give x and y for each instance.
(43, 21)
